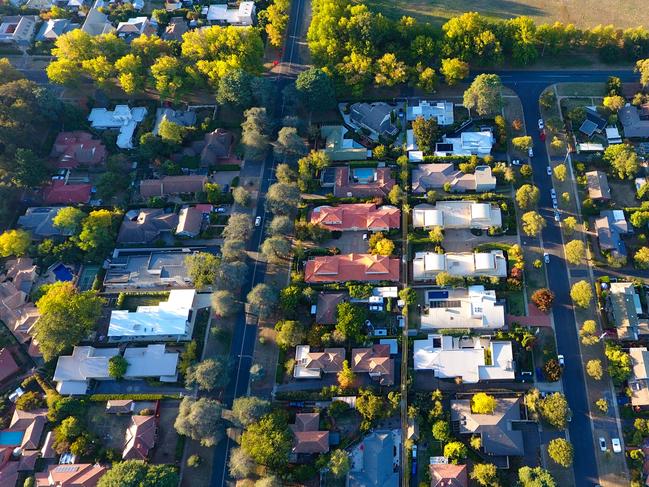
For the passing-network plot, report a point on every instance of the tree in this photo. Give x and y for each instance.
(208, 374)
(69, 219)
(137, 473)
(239, 227)
(117, 367)
(482, 403)
(588, 333)
(268, 441)
(240, 465)
(639, 218)
(569, 224)
(98, 233)
(28, 170)
(271, 481)
(527, 196)
(575, 251)
(484, 94)
(485, 474)
(339, 463)
(552, 370)
(169, 75)
(455, 451)
(200, 419)
(560, 172)
(316, 90)
(390, 71)
(262, 299)
(233, 250)
(350, 320)
(454, 70)
(67, 316)
(623, 160)
(526, 170)
(396, 195)
(231, 276)
(444, 279)
(543, 299)
(602, 405)
(241, 196)
(194, 461)
(235, 87)
(614, 103)
(535, 477)
(370, 406)
(533, 223)
(280, 225)
(202, 268)
(581, 294)
(131, 73)
(30, 401)
(283, 198)
(523, 143)
(619, 363)
(346, 377)
(382, 246)
(224, 303)
(276, 21)
(554, 409)
(276, 248)
(436, 234)
(254, 136)
(171, 132)
(560, 450)
(408, 295)
(14, 242)
(641, 258)
(442, 430)
(426, 133)
(289, 143)
(247, 409)
(427, 80)
(289, 333)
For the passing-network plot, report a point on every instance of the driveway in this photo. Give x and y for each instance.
(349, 242)
(464, 241)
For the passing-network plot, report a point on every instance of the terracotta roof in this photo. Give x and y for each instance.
(356, 216)
(448, 475)
(329, 361)
(327, 307)
(28, 460)
(146, 226)
(376, 361)
(381, 186)
(190, 221)
(140, 437)
(352, 267)
(169, 185)
(8, 366)
(119, 406)
(32, 423)
(60, 193)
(75, 475)
(307, 437)
(71, 149)
(8, 470)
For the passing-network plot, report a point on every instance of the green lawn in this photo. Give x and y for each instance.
(132, 301)
(515, 302)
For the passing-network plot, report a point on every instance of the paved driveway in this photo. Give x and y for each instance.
(465, 241)
(349, 242)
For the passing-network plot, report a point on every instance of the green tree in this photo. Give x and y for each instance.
(171, 132)
(254, 136)
(276, 248)
(602, 405)
(436, 234)
(239, 227)
(485, 474)
(554, 409)
(484, 94)
(390, 71)
(581, 294)
(200, 420)
(575, 251)
(339, 463)
(28, 170)
(131, 73)
(526, 170)
(569, 225)
(262, 299)
(408, 295)
(427, 80)
(202, 268)
(283, 199)
(97, 235)
(370, 406)
(280, 225)
(289, 333)
(241, 196)
(619, 363)
(396, 195)
(69, 219)
(426, 133)
(639, 219)
(30, 401)
(235, 87)
(247, 409)
(346, 377)
(535, 477)
(561, 452)
(224, 303)
(533, 223)
(641, 258)
(316, 90)
(350, 321)
(289, 143)
(137, 473)
(169, 76)
(482, 403)
(455, 451)
(454, 70)
(277, 21)
(442, 430)
(527, 196)
(268, 441)
(14, 242)
(623, 160)
(209, 374)
(117, 367)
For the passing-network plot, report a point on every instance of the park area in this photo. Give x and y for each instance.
(582, 13)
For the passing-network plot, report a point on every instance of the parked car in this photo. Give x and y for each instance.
(549, 171)
(557, 216)
(542, 135)
(541, 124)
(257, 221)
(553, 193)
(365, 236)
(546, 257)
(562, 360)
(602, 443)
(530, 152)
(516, 162)
(400, 321)
(219, 209)
(376, 307)
(617, 446)
(380, 332)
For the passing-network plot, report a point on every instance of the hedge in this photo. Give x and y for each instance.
(132, 397)
(226, 167)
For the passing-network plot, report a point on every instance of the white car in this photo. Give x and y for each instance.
(553, 193)
(557, 217)
(530, 152)
(602, 443)
(365, 236)
(257, 221)
(549, 171)
(546, 257)
(562, 360)
(555, 205)
(541, 124)
(516, 162)
(617, 446)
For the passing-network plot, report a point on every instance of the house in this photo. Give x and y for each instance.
(594, 122)
(175, 29)
(448, 475)
(136, 27)
(339, 148)
(74, 372)
(376, 362)
(140, 437)
(97, 22)
(460, 214)
(172, 185)
(74, 149)
(190, 221)
(123, 118)
(327, 307)
(39, 221)
(472, 307)
(639, 380)
(74, 475)
(216, 147)
(31, 423)
(442, 111)
(119, 406)
(613, 135)
(498, 437)
(352, 267)
(15, 285)
(363, 182)
(172, 319)
(378, 118)
(131, 269)
(18, 29)
(375, 460)
(438, 175)
(8, 366)
(467, 144)
(624, 306)
(179, 117)
(357, 217)
(8, 469)
(411, 143)
(451, 357)
(311, 365)
(52, 29)
(59, 192)
(145, 226)
(426, 265)
(220, 14)
(610, 227)
(307, 438)
(598, 188)
(634, 123)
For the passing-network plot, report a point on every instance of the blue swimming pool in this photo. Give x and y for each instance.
(364, 174)
(62, 273)
(11, 438)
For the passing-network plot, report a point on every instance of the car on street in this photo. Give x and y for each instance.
(553, 193)
(530, 152)
(549, 171)
(546, 258)
(257, 221)
(400, 321)
(602, 443)
(562, 360)
(219, 209)
(541, 124)
(555, 205)
(542, 135)
(365, 236)
(516, 162)
(617, 446)
(557, 216)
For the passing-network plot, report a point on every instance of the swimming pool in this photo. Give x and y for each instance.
(11, 438)
(364, 174)
(62, 273)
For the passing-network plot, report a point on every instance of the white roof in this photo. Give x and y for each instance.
(426, 265)
(434, 262)
(457, 214)
(123, 118)
(411, 144)
(299, 371)
(474, 307)
(427, 216)
(221, 13)
(613, 134)
(441, 110)
(151, 361)
(471, 143)
(169, 318)
(415, 156)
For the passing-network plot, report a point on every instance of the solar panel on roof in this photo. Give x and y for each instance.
(437, 294)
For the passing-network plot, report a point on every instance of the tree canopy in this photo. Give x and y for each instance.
(268, 441)
(138, 473)
(200, 419)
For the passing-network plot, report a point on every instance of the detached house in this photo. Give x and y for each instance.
(598, 188)
(18, 29)
(375, 361)
(308, 439)
(136, 27)
(437, 176)
(377, 118)
(140, 437)
(172, 185)
(442, 111)
(352, 267)
(311, 365)
(357, 217)
(75, 475)
(74, 149)
(639, 380)
(362, 182)
(146, 226)
(221, 14)
(475, 307)
(457, 215)
(123, 118)
(426, 265)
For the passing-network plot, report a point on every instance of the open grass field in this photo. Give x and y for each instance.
(582, 13)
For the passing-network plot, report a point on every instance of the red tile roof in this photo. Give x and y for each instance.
(8, 366)
(376, 361)
(76, 475)
(307, 437)
(357, 216)
(140, 437)
(380, 187)
(60, 193)
(352, 267)
(71, 149)
(172, 185)
(448, 475)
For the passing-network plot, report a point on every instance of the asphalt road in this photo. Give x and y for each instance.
(529, 85)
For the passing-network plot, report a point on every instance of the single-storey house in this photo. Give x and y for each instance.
(437, 175)
(362, 182)
(352, 267)
(39, 221)
(442, 111)
(634, 123)
(190, 221)
(339, 148)
(141, 436)
(59, 192)
(74, 149)
(307, 436)
(375, 460)
(426, 265)
(376, 117)
(357, 217)
(467, 144)
(375, 361)
(311, 365)
(457, 215)
(221, 14)
(172, 185)
(123, 118)
(598, 188)
(624, 307)
(472, 307)
(639, 380)
(145, 226)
